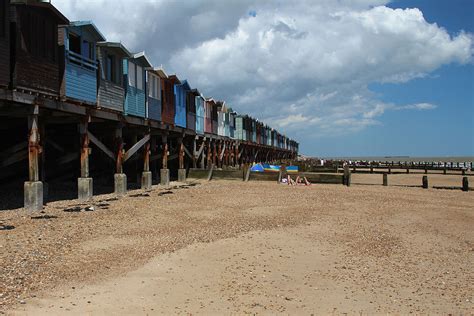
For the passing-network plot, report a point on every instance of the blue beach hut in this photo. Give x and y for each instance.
(200, 114)
(135, 84)
(80, 62)
(180, 92)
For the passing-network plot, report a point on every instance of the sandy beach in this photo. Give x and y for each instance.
(224, 247)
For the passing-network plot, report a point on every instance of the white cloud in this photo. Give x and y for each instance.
(304, 66)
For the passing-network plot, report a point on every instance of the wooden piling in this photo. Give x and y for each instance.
(465, 184)
(385, 180)
(425, 182)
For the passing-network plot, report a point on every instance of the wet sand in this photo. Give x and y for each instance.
(229, 247)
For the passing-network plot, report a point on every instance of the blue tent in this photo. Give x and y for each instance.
(257, 168)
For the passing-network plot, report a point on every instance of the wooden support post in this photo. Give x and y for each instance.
(34, 148)
(203, 155)
(84, 138)
(214, 154)
(119, 153)
(425, 182)
(181, 153)
(146, 157)
(209, 154)
(219, 158)
(164, 141)
(347, 175)
(33, 189)
(194, 153)
(385, 180)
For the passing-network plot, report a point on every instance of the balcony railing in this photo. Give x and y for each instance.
(81, 61)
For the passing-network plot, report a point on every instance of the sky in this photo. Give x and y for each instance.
(341, 77)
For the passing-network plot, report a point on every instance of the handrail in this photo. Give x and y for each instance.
(81, 60)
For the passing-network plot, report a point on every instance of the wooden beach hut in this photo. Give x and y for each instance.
(208, 109)
(232, 115)
(135, 84)
(191, 118)
(241, 127)
(215, 117)
(154, 95)
(168, 99)
(200, 113)
(29, 51)
(111, 93)
(221, 113)
(80, 80)
(180, 91)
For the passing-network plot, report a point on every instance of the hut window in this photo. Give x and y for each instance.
(139, 78)
(74, 43)
(131, 74)
(154, 86)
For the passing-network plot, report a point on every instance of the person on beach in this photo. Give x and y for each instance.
(302, 181)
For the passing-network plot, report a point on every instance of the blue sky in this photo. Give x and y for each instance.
(343, 78)
(445, 131)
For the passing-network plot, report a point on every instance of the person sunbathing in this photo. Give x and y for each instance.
(302, 181)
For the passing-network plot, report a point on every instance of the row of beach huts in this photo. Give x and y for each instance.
(42, 51)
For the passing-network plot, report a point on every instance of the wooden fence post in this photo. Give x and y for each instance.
(465, 184)
(385, 179)
(425, 182)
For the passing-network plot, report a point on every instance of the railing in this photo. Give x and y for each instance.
(81, 61)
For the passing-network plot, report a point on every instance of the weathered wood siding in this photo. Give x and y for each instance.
(4, 44)
(180, 104)
(167, 103)
(135, 99)
(36, 51)
(81, 83)
(111, 95)
(154, 109)
(208, 117)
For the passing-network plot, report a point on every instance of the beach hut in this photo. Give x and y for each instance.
(221, 112)
(80, 79)
(208, 108)
(180, 91)
(232, 115)
(168, 99)
(191, 96)
(135, 84)
(215, 116)
(29, 50)
(200, 113)
(111, 86)
(240, 127)
(254, 131)
(154, 95)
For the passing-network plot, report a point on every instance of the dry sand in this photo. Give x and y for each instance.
(231, 247)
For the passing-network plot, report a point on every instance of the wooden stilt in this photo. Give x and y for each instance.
(84, 138)
(119, 146)
(164, 141)
(34, 148)
(181, 153)
(209, 154)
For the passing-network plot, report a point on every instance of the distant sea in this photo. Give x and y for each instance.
(405, 158)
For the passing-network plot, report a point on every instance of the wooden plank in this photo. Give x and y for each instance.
(14, 149)
(100, 145)
(188, 153)
(14, 158)
(136, 147)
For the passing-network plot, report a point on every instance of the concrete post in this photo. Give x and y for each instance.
(425, 182)
(120, 184)
(146, 180)
(84, 189)
(165, 177)
(181, 175)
